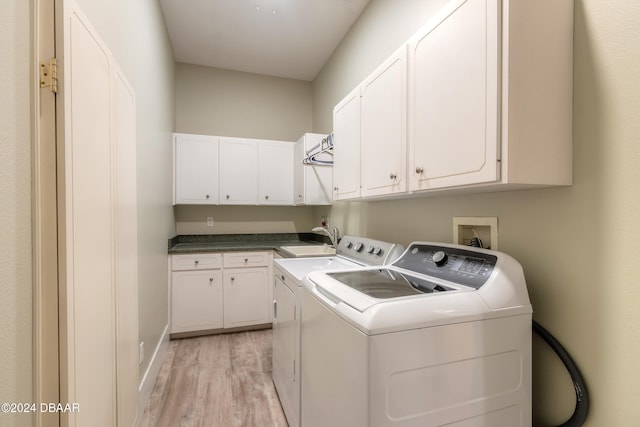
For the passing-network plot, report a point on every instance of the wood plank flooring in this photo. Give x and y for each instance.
(217, 380)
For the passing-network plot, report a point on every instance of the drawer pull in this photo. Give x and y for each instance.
(210, 281)
(196, 262)
(246, 260)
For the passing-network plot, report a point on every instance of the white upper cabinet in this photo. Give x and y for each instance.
(384, 127)
(488, 105)
(454, 79)
(238, 171)
(275, 171)
(196, 169)
(312, 184)
(346, 149)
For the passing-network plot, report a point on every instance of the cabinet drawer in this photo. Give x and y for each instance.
(196, 261)
(246, 259)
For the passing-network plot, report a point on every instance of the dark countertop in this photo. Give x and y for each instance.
(184, 244)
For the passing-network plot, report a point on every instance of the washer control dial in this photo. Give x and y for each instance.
(358, 247)
(440, 258)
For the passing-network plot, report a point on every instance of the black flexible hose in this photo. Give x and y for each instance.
(582, 397)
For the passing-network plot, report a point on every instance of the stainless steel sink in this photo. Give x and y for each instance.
(308, 250)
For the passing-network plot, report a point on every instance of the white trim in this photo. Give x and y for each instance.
(151, 374)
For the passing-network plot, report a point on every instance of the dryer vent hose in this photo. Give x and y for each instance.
(582, 397)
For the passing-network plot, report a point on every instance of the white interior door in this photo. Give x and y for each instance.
(87, 222)
(97, 228)
(126, 222)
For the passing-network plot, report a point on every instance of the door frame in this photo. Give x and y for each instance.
(46, 367)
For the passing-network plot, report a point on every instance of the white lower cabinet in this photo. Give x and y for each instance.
(245, 297)
(196, 300)
(220, 291)
(196, 292)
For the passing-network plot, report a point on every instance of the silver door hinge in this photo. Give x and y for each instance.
(49, 75)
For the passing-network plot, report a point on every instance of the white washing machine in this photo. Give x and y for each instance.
(442, 337)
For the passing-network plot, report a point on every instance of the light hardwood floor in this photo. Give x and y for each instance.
(217, 380)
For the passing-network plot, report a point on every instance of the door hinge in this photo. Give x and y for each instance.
(49, 75)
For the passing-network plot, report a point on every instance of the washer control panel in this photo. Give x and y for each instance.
(455, 264)
(368, 251)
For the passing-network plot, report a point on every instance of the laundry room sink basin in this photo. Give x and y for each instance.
(308, 250)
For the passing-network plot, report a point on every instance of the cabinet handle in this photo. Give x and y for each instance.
(282, 277)
(207, 196)
(196, 262)
(227, 197)
(233, 278)
(246, 260)
(419, 170)
(392, 176)
(266, 197)
(210, 281)
(275, 309)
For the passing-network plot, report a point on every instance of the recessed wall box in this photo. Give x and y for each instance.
(465, 229)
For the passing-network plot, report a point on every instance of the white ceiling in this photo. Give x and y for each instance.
(283, 38)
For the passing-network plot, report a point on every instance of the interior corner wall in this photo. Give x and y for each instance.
(578, 245)
(15, 209)
(136, 35)
(212, 101)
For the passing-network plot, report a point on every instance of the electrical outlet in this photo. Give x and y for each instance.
(141, 352)
(209, 221)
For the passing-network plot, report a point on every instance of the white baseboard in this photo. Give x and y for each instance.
(151, 374)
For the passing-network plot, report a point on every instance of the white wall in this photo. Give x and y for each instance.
(212, 101)
(136, 34)
(15, 209)
(578, 245)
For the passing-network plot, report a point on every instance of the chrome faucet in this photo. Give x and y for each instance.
(334, 236)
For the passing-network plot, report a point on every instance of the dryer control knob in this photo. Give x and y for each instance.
(370, 249)
(358, 247)
(440, 258)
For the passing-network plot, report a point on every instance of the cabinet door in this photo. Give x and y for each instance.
(384, 124)
(346, 148)
(246, 297)
(196, 300)
(238, 172)
(275, 173)
(318, 179)
(298, 173)
(453, 107)
(285, 342)
(196, 169)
